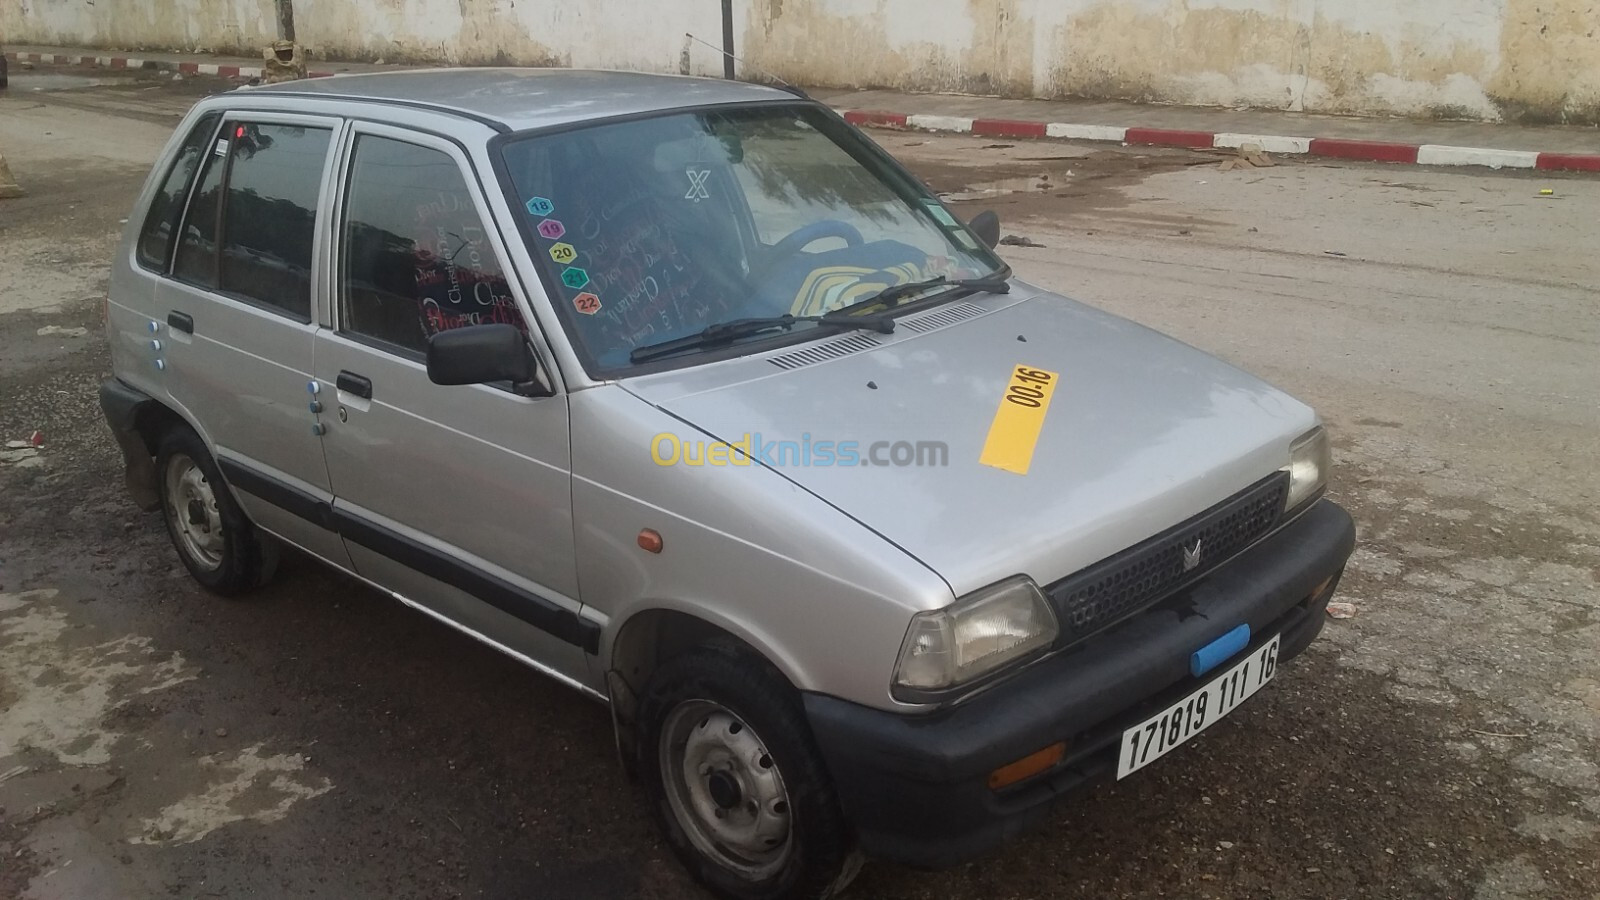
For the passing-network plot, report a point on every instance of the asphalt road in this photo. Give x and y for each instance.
(321, 741)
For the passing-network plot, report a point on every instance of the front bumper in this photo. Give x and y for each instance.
(916, 786)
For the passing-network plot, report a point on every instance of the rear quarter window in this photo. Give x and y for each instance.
(155, 237)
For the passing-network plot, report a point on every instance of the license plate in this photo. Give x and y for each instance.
(1154, 738)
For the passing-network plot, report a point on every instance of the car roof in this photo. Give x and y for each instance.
(520, 99)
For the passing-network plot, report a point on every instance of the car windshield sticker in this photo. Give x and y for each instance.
(697, 185)
(1019, 420)
(539, 206)
(586, 303)
(564, 253)
(222, 147)
(552, 229)
(940, 213)
(575, 278)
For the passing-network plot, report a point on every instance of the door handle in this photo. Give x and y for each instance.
(351, 383)
(178, 321)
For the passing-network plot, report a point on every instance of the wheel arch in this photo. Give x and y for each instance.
(138, 421)
(651, 636)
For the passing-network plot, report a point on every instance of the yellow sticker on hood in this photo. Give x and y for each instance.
(1019, 420)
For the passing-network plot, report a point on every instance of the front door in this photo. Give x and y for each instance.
(238, 330)
(457, 498)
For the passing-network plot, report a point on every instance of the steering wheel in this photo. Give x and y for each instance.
(810, 234)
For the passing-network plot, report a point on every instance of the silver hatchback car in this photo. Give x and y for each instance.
(686, 394)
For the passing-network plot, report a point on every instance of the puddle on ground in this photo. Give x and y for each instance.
(1041, 183)
(54, 81)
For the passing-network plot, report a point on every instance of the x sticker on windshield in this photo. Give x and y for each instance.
(697, 185)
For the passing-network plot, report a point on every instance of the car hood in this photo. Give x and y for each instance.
(1142, 432)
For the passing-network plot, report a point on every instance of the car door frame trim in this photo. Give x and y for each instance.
(540, 612)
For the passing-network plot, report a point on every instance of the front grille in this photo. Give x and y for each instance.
(1130, 582)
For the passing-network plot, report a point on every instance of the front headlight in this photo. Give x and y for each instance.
(973, 637)
(1310, 458)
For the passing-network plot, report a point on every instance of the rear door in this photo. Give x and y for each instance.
(237, 338)
(458, 498)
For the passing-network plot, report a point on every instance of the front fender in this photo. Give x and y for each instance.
(822, 597)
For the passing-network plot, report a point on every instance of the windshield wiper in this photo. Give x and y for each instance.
(892, 297)
(847, 317)
(723, 333)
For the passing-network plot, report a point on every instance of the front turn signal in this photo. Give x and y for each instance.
(1027, 767)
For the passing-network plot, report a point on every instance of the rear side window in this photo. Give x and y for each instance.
(250, 227)
(155, 238)
(416, 258)
(196, 261)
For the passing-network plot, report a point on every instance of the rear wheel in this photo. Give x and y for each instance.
(217, 544)
(736, 780)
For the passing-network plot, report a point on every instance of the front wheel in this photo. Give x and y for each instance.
(736, 781)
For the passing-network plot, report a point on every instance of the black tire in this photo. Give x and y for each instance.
(821, 856)
(224, 551)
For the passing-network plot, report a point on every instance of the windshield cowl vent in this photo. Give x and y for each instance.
(943, 317)
(812, 355)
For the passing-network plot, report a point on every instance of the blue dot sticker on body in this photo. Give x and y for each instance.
(540, 206)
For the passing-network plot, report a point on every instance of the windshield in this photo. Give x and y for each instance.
(655, 229)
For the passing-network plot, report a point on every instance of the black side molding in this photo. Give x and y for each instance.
(497, 592)
(540, 612)
(284, 496)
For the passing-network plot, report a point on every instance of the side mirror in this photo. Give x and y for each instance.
(481, 354)
(986, 225)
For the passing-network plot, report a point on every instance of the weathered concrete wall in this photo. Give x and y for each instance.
(1520, 60)
(225, 26)
(1533, 60)
(632, 34)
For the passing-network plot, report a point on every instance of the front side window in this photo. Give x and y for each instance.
(654, 229)
(416, 258)
(251, 224)
(155, 237)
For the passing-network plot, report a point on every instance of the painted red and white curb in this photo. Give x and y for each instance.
(1337, 148)
(159, 65)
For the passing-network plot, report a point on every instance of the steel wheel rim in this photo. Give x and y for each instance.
(192, 510)
(725, 789)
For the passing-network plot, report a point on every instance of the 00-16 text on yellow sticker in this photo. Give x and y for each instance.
(1019, 420)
